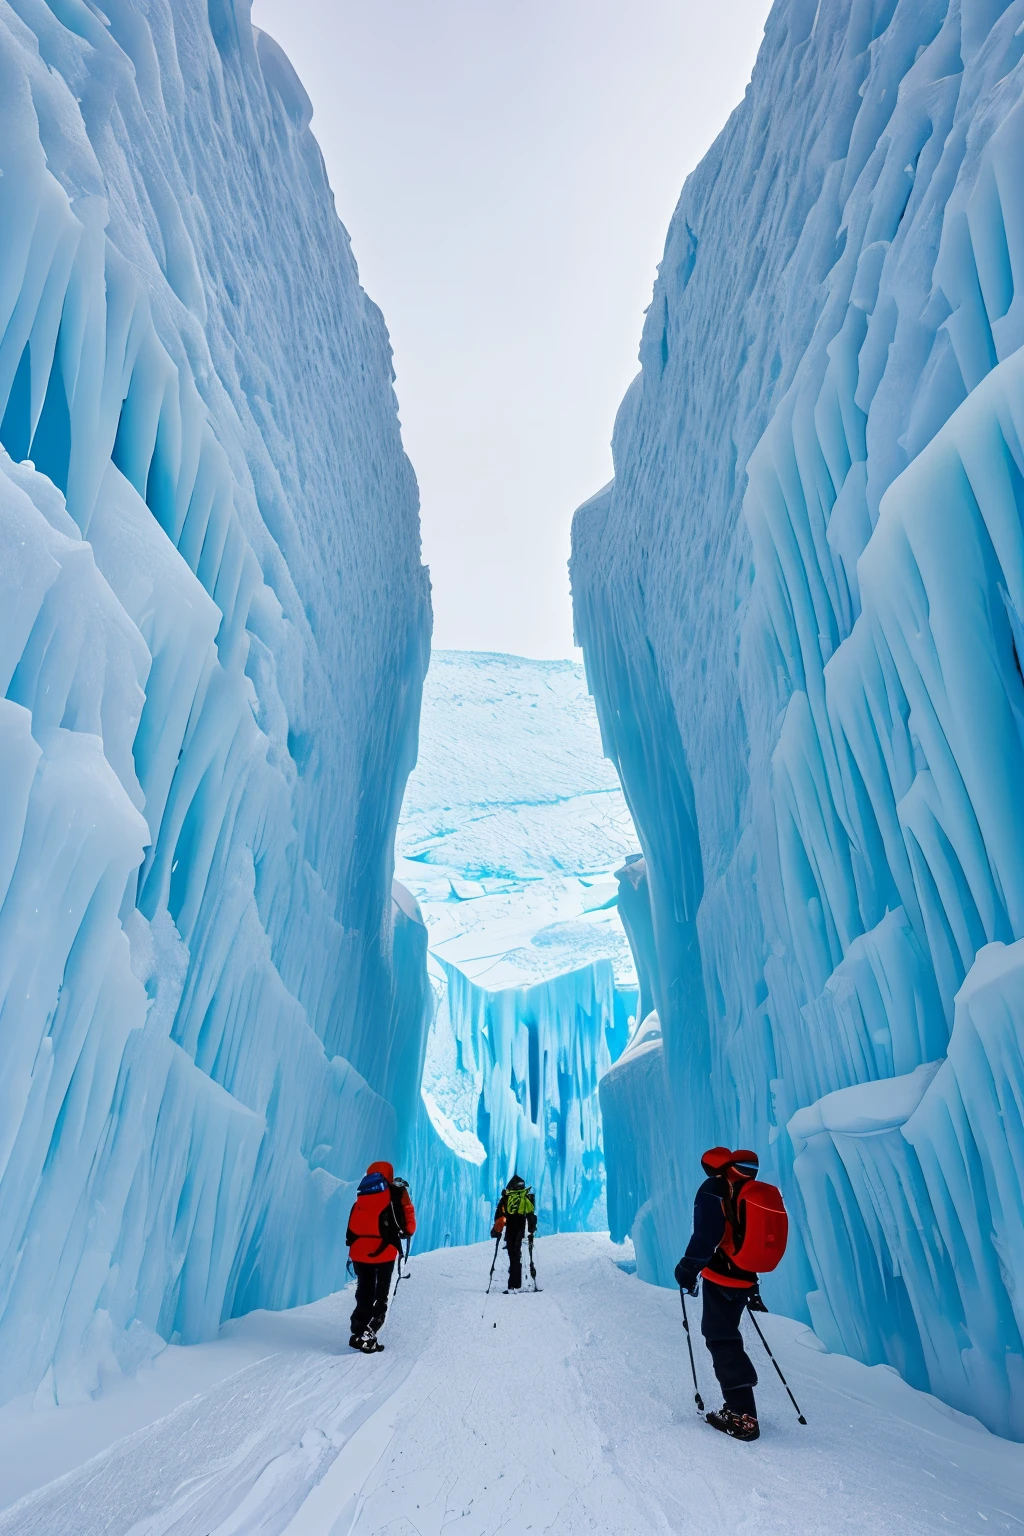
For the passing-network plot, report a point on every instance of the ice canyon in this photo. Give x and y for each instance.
(801, 602)
(801, 607)
(217, 1007)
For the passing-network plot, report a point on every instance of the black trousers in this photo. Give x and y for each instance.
(724, 1306)
(373, 1283)
(515, 1231)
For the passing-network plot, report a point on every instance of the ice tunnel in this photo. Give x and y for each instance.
(801, 602)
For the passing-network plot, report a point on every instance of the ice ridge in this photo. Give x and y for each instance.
(214, 626)
(801, 602)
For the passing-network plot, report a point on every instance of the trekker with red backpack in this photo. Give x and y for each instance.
(739, 1228)
(381, 1218)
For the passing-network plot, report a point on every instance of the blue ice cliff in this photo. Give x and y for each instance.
(512, 827)
(801, 602)
(214, 627)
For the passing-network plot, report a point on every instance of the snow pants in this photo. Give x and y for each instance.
(373, 1284)
(515, 1231)
(724, 1306)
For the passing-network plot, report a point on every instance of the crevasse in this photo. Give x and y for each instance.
(801, 602)
(214, 627)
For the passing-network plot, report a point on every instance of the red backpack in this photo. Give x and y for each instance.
(377, 1213)
(757, 1228)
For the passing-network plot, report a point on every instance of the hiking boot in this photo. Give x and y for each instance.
(741, 1426)
(356, 1341)
(370, 1344)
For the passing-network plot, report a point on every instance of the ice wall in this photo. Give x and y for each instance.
(511, 1084)
(213, 631)
(511, 830)
(641, 1157)
(801, 607)
(639, 1118)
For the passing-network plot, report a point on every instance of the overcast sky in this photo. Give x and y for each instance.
(507, 170)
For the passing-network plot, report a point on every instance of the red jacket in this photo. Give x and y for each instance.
(365, 1244)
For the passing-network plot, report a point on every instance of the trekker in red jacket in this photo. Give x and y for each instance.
(728, 1289)
(382, 1216)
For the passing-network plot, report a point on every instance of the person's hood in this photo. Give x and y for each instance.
(735, 1165)
(387, 1169)
(515, 1182)
(716, 1160)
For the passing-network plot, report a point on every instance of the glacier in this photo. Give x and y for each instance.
(511, 830)
(801, 604)
(214, 625)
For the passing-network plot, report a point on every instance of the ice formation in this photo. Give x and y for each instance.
(511, 828)
(801, 602)
(213, 631)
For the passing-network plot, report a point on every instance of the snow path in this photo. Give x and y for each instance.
(565, 1412)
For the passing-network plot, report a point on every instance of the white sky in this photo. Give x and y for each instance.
(507, 170)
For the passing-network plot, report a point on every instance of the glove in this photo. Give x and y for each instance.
(495, 1231)
(686, 1276)
(754, 1302)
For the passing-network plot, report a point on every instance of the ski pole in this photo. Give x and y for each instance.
(401, 1276)
(533, 1271)
(689, 1344)
(490, 1277)
(785, 1383)
(497, 1245)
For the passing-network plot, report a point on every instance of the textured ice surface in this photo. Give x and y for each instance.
(213, 629)
(802, 608)
(512, 826)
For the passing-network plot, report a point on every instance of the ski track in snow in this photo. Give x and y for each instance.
(568, 1412)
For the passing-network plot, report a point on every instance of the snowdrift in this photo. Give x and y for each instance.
(801, 602)
(214, 626)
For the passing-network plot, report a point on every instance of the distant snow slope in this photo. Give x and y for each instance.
(213, 630)
(511, 782)
(512, 826)
(569, 1412)
(802, 606)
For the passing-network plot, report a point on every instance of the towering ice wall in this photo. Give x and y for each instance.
(801, 602)
(512, 826)
(213, 631)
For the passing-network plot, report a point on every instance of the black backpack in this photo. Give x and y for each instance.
(392, 1217)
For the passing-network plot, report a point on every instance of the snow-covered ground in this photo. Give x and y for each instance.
(567, 1412)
